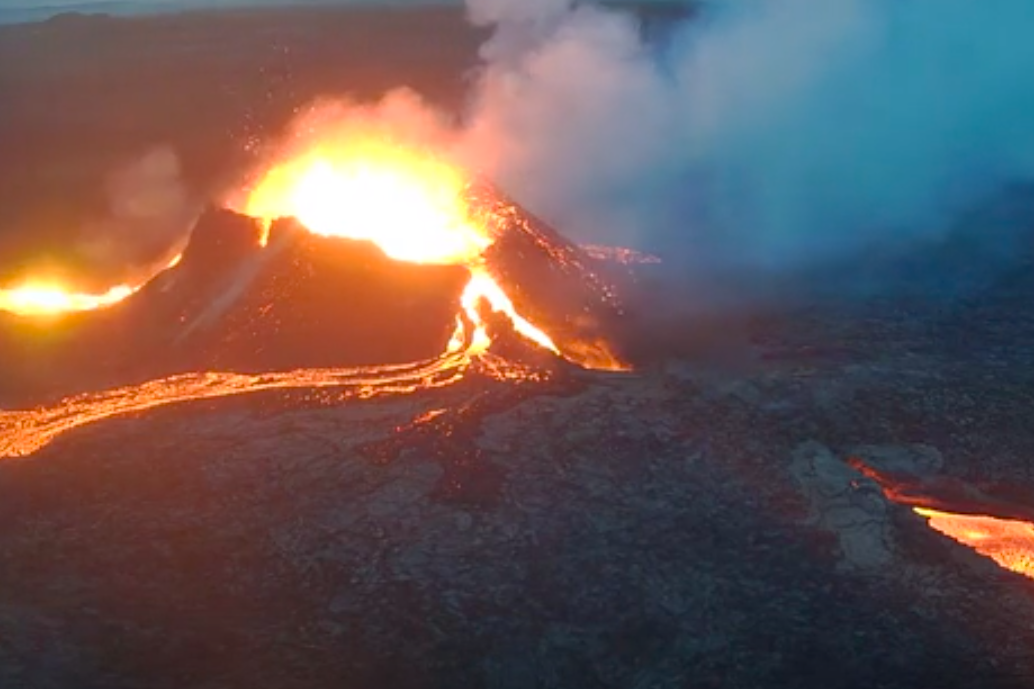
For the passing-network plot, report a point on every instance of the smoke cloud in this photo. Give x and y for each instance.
(148, 218)
(759, 138)
(766, 135)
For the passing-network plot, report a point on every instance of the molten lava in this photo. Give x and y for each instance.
(1008, 542)
(51, 298)
(408, 202)
(48, 299)
(25, 432)
(483, 287)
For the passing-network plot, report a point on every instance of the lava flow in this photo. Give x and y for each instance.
(408, 203)
(1007, 540)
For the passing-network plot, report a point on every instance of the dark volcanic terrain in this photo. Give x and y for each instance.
(687, 525)
(660, 529)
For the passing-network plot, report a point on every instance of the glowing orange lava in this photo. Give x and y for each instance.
(50, 298)
(36, 297)
(1008, 542)
(408, 202)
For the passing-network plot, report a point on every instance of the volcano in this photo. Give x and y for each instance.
(272, 304)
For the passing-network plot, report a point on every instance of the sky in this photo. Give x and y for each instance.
(16, 11)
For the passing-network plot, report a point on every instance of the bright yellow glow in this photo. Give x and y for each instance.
(43, 299)
(482, 286)
(407, 203)
(36, 297)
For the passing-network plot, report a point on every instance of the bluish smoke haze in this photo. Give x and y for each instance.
(764, 134)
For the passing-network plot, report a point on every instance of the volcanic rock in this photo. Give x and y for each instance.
(846, 503)
(310, 301)
(551, 281)
(642, 534)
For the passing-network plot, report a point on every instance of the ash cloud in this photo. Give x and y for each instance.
(758, 136)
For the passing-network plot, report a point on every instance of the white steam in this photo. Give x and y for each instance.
(770, 133)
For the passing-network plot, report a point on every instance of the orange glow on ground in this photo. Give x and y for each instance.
(1008, 542)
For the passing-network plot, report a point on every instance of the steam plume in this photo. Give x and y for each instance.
(762, 134)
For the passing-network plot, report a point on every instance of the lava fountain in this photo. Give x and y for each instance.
(407, 202)
(38, 298)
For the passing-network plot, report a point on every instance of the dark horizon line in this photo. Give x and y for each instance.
(27, 14)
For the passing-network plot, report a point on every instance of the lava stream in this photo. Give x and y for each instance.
(483, 287)
(24, 432)
(1008, 542)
